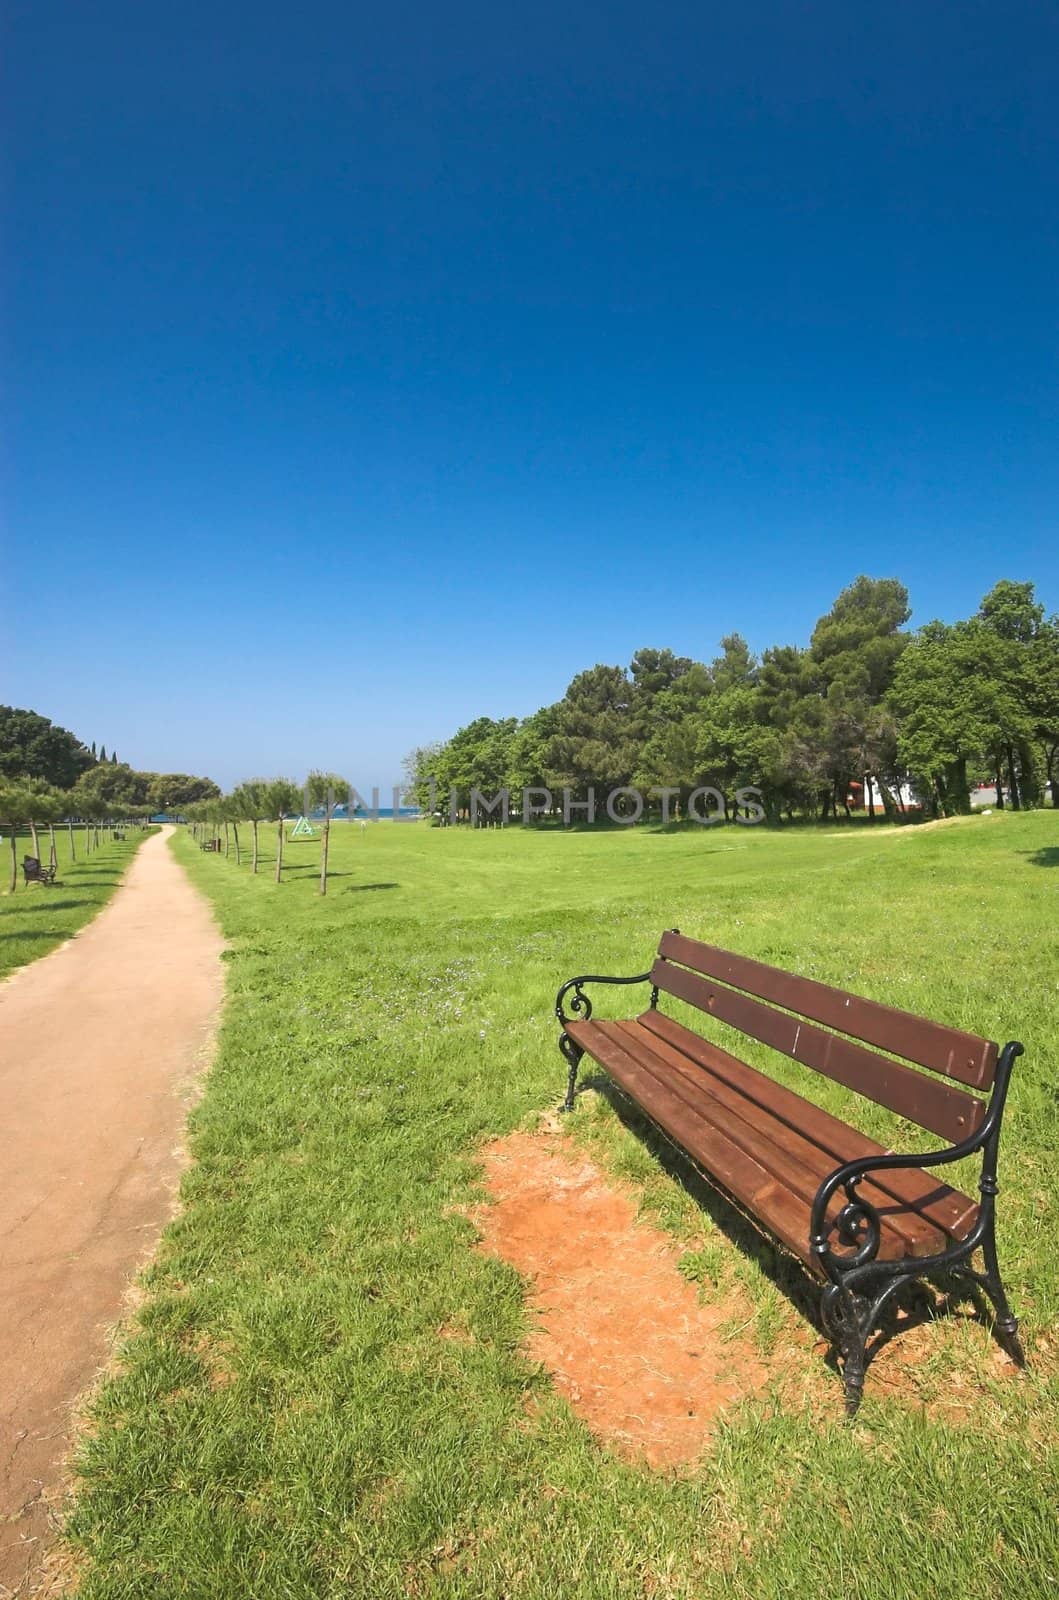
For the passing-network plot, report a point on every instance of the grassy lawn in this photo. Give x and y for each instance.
(289, 1419)
(37, 917)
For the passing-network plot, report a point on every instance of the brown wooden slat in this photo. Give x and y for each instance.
(947, 1209)
(950, 1051)
(947, 1111)
(781, 1149)
(745, 1179)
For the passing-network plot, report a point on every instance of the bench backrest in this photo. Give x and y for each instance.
(30, 866)
(783, 1011)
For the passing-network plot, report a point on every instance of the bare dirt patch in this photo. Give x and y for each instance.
(646, 1366)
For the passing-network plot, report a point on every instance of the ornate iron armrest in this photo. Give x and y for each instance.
(581, 1005)
(859, 1223)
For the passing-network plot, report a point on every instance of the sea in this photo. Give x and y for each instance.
(385, 814)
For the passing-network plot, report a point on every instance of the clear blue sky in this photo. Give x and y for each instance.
(370, 368)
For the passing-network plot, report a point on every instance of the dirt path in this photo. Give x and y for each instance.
(99, 1042)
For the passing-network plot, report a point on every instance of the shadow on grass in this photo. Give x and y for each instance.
(52, 905)
(79, 882)
(32, 933)
(919, 1303)
(363, 888)
(312, 872)
(1046, 857)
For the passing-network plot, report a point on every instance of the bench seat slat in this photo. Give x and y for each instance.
(950, 1051)
(801, 1164)
(744, 1178)
(765, 1163)
(945, 1208)
(928, 1102)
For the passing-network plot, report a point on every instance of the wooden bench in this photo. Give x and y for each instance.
(33, 872)
(868, 1221)
(212, 845)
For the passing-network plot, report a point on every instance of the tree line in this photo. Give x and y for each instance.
(49, 777)
(260, 802)
(866, 703)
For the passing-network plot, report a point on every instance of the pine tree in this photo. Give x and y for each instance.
(102, 752)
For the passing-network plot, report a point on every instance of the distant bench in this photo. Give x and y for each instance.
(212, 845)
(33, 872)
(868, 1221)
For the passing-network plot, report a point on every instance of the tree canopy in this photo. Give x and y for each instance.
(866, 702)
(32, 747)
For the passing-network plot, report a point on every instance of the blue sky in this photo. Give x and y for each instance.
(369, 369)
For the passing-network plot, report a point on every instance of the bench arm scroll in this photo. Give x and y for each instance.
(581, 1005)
(858, 1223)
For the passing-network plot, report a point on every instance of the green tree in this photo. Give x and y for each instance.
(733, 746)
(856, 648)
(33, 747)
(1012, 611)
(120, 789)
(955, 709)
(421, 769)
(283, 799)
(177, 789)
(735, 667)
(257, 801)
(1012, 615)
(327, 789)
(41, 805)
(670, 756)
(654, 675)
(528, 752)
(594, 744)
(14, 803)
(1043, 673)
(477, 756)
(231, 807)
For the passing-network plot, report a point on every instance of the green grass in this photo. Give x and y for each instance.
(37, 917)
(289, 1421)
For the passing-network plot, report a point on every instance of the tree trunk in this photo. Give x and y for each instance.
(53, 858)
(999, 781)
(253, 830)
(235, 835)
(888, 804)
(70, 830)
(225, 841)
(323, 854)
(1029, 785)
(279, 851)
(959, 787)
(36, 841)
(14, 858)
(869, 795)
(1016, 798)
